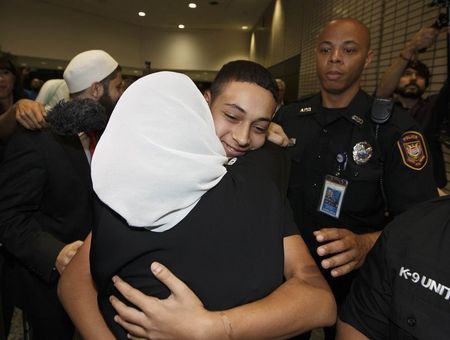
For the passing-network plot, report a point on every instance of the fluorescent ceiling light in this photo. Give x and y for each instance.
(181, 26)
(245, 27)
(192, 5)
(141, 14)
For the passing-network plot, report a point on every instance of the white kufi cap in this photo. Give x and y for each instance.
(88, 67)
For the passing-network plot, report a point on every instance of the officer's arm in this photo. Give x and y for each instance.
(408, 170)
(366, 309)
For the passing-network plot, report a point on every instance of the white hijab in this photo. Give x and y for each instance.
(159, 153)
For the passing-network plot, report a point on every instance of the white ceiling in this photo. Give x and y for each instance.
(167, 14)
(163, 15)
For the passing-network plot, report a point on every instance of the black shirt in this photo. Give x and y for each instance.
(430, 119)
(228, 250)
(403, 291)
(320, 135)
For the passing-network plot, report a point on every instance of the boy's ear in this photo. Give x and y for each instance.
(207, 95)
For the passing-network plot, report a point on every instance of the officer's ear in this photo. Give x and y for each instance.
(369, 58)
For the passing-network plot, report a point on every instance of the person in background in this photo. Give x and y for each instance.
(11, 89)
(281, 85)
(52, 92)
(10, 92)
(35, 86)
(46, 192)
(407, 80)
(403, 288)
(348, 172)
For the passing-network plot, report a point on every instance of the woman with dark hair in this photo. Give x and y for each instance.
(13, 103)
(11, 89)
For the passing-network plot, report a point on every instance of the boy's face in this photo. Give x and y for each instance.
(242, 113)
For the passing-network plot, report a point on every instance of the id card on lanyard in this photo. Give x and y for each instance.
(334, 189)
(333, 195)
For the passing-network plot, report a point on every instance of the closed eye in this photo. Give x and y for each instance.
(260, 129)
(230, 117)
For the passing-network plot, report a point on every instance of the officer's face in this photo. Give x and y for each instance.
(241, 113)
(342, 54)
(411, 84)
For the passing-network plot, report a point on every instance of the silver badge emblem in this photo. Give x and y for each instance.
(362, 152)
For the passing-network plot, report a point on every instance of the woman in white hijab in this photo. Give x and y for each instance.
(171, 192)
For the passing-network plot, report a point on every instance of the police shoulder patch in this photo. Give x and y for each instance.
(413, 150)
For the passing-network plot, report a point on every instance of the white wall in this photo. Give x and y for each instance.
(30, 28)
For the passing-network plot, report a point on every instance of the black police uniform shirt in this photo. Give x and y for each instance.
(403, 290)
(228, 249)
(399, 158)
(430, 119)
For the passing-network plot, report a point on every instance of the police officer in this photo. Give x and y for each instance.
(347, 171)
(403, 289)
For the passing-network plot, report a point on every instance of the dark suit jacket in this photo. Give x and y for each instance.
(45, 203)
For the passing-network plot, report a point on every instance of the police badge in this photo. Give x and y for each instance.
(413, 150)
(362, 152)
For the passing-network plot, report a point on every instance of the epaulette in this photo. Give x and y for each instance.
(304, 104)
(299, 107)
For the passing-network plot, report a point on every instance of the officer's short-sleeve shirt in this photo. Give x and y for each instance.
(397, 175)
(403, 289)
(321, 135)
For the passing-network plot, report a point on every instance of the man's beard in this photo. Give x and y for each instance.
(106, 101)
(77, 115)
(404, 92)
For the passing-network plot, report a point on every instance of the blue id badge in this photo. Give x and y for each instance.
(333, 195)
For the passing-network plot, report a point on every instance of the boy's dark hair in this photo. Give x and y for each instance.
(244, 71)
(421, 69)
